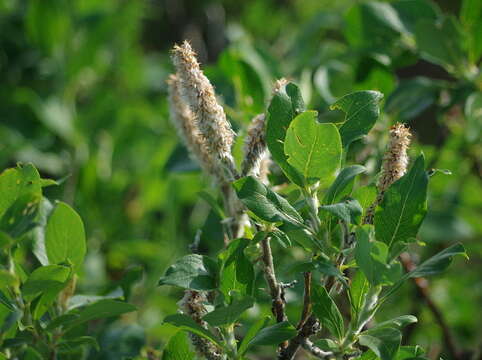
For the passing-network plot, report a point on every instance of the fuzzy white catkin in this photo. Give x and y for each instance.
(394, 166)
(395, 161)
(254, 146)
(182, 119)
(192, 304)
(198, 93)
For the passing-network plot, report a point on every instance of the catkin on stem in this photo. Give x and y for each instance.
(182, 119)
(198, 93)
(395, 161)
(394, 166)
(254, 146)
(192, 305)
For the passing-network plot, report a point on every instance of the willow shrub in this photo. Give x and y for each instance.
(352, 236)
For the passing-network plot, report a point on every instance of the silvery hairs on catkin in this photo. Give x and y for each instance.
(192, 304)
(198, 93)
(182, 119)
(394, 166)
(254, 146)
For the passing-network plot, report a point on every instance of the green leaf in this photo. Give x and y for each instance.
(473, 114)
(195, 272)
(265, 203)
(314, 149)
(8, 279)
(213, 202)
(384, 342)
(412, 97)
(65, 236)
(373, 25)
(5, 301)
(281, 237)
(303, 238)
(252, 332)
(62, 320)
(237, 272)
(44, 279)
(410, 353)
(404, 205)
(442, 43)
(20, 216)
(365, 195)
(326, 310)
(228, 314)
(274, 334)
(70, 345)
(48, 281)
(327, 345)
(184, 322)
(411, 11)
(348, 211)
(343, 184)
(5, 240)
(178, 348)
(372, 257)
(284, 106)
(32, 353)
(433, 266)
(397, 323)
(362, 111)
(15, 182)
(357, 293)
(470, 15)
(324, 265)
(99, 310)
(438, 263)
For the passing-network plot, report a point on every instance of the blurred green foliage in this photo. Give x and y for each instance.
(83, 97)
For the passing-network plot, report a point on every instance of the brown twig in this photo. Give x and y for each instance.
(310, 327)
(306, 300)
(276, 290)
(421, 285)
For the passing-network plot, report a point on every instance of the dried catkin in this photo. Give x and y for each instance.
(182, 119)
(254, 146)
(198, 93)
(192, 304)
(394, 166)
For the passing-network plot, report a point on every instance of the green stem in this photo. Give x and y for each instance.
(231, 342)
(311, 198)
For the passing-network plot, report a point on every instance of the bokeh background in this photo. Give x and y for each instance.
(83, 97)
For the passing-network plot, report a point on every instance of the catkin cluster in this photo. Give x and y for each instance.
(192, 304)
(207, 121)
(395, 161)
(254, 146)
(394, 166)
(182, 119)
